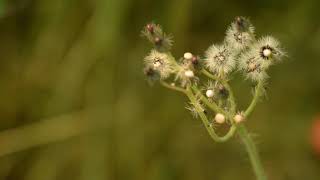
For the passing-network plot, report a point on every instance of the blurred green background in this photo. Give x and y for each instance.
(74, 103)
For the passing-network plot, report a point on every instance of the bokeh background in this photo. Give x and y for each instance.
(74, 103)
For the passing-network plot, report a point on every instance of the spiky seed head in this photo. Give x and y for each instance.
(269, 50)
(188, 56)
(159, 62)
(209, 93)
(252, 66)
(240, 34)
(220, 118)
(219, 59)
(161, 41)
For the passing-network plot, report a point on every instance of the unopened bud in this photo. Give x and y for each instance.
(189, 74)
(188, 56)
(219, 118)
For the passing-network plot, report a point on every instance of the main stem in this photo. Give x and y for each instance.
(252, 152)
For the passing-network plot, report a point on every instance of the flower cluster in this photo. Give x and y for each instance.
(214, 102)
(240, 51)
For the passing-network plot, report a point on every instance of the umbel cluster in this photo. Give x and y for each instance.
(205, 78)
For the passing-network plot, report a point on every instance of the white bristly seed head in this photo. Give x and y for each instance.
(160, 63)
(188, 56)
(268, 49)
(220, 118)
(209, 93)
(240, 34)
(252, 66)
(219, 59)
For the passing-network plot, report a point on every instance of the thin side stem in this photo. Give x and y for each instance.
(252, 152)
(213, 106)
(257, 94)
(231, 98)
(175, 88)
(206, 122)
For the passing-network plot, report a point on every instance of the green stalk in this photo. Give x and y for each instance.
(252, 152)
(257, 94)
(206, 122)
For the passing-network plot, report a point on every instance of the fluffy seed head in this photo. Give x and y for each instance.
(268, 49)
(160, 63)
(219, 118)
(240, 34)
(209, 93)
(219, 59)
(252, 66)
(154, 33)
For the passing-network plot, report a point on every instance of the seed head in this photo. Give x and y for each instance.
(269, 50)
(240, 34)
(161, 41)
(159, 62)
(219, 59)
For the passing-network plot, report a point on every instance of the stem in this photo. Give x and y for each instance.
(165, 84)
(252, 152)
(258, 92)
(213, 106)
(231, 98)
(206, 122)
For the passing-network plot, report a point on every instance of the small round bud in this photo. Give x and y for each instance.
(194, 60)
(189, 73)
(157, 41)
(238, 118)
(266, 52)
(209, 93)
(150, 28)
(188, 55)
(219, 118)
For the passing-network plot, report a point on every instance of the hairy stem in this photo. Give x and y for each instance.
(172, 87)
(252, 152)
(257, 94)
(225, 84)
(206, 122)
(213, 106)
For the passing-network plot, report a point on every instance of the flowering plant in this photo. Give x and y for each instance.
(213, 100)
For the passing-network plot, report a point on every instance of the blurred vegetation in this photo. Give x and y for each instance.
(75, 104)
